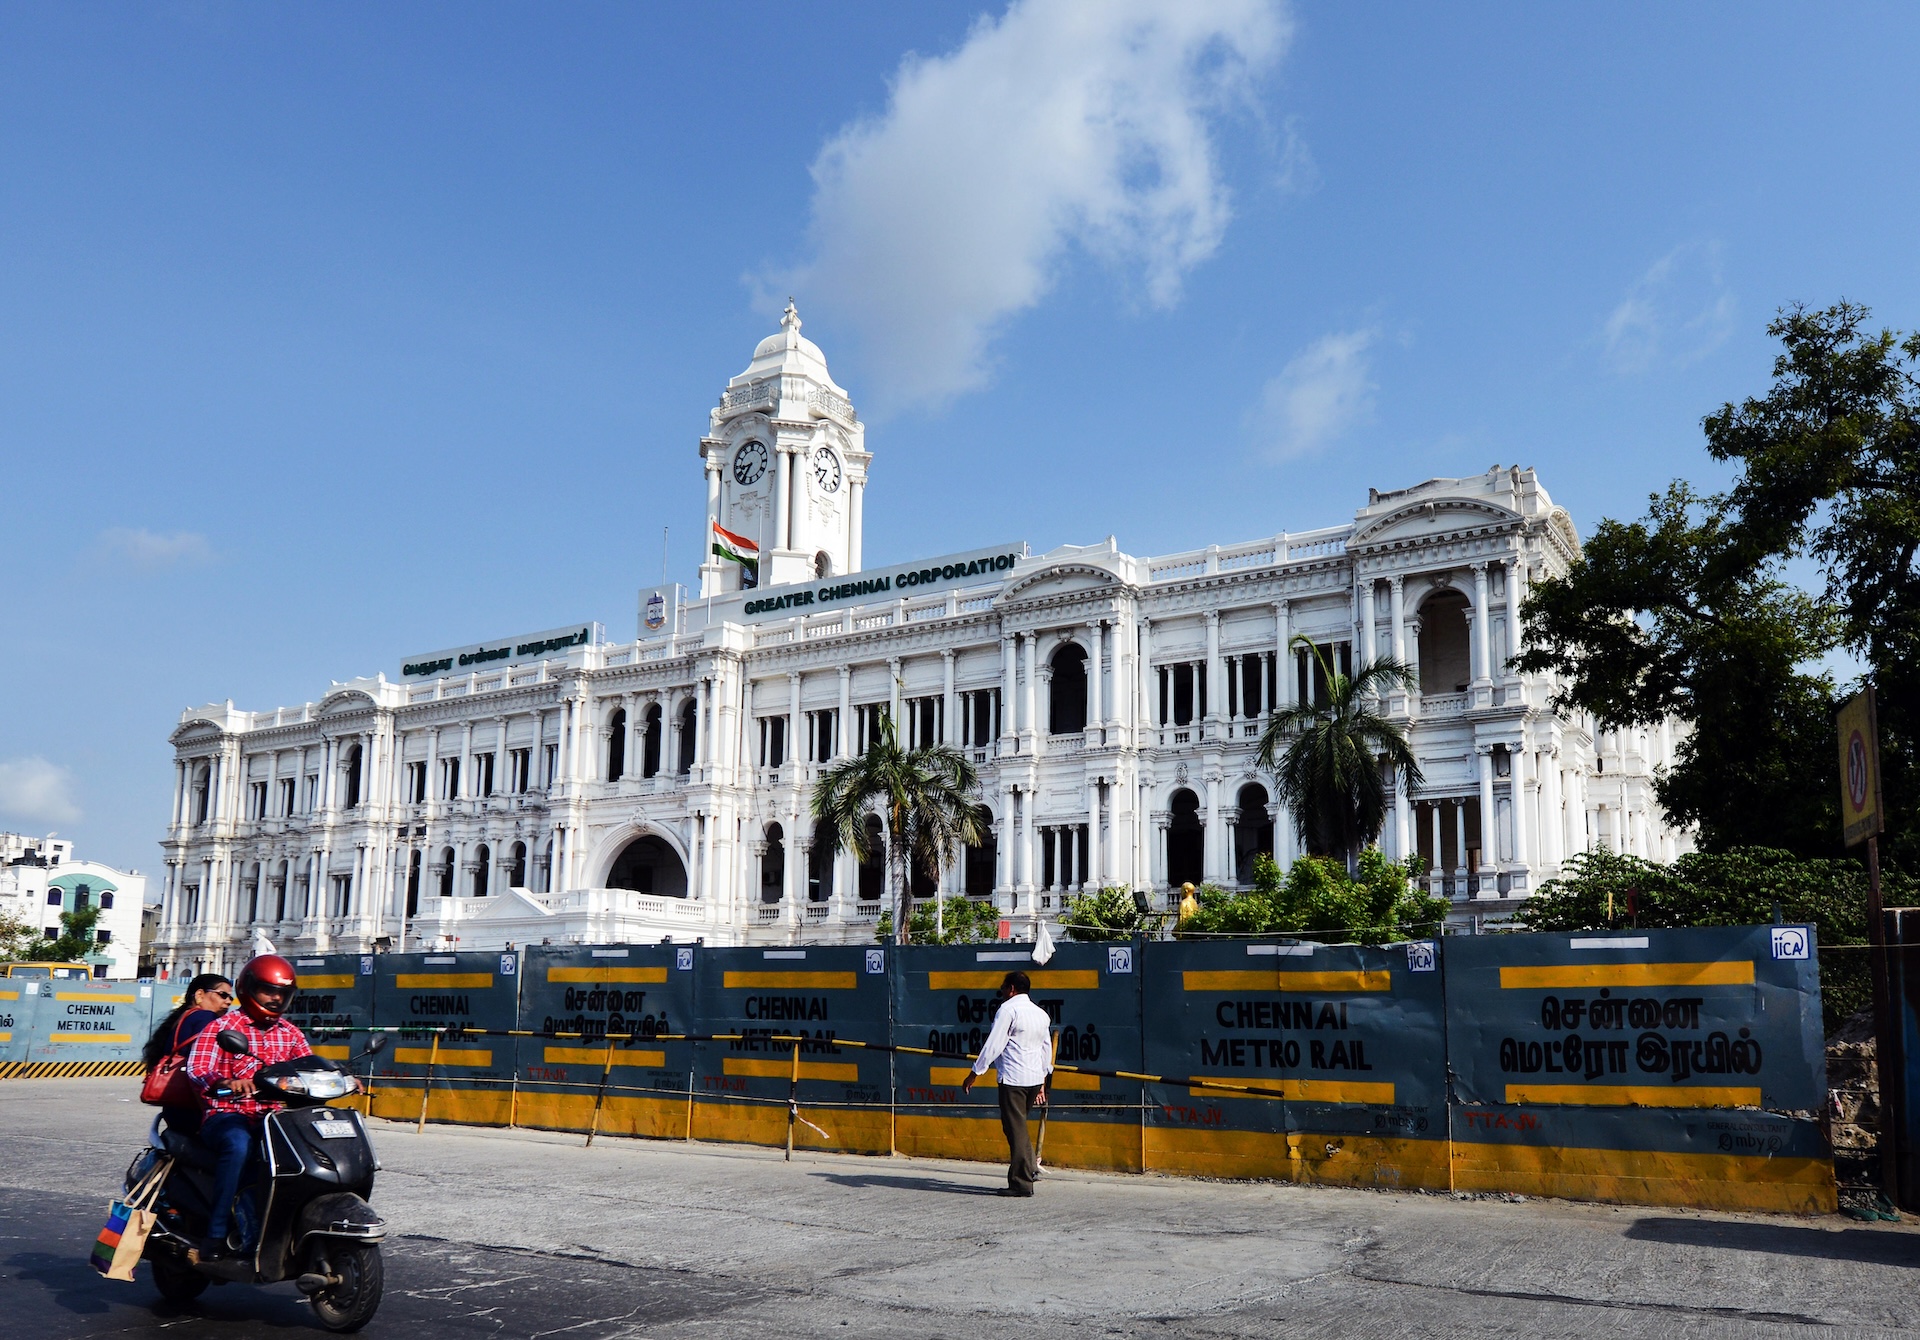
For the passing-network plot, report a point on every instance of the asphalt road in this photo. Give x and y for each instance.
(529, 1234)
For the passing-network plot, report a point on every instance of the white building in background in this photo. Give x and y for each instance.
(40, 879)
(558, 786)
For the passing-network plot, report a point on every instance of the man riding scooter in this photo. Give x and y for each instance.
(231, 1128)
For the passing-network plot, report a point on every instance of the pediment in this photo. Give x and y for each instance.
(1430, 519)
(344, 702)
(198, 731)
(1059, 580)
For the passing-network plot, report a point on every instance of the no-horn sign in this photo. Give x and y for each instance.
(1859, 768)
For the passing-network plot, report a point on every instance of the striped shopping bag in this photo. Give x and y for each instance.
(124, 1239)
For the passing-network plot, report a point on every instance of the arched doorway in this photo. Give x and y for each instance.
(688, 725)
(649, 865)
(448, 861)
(873, 870)
(1252, 832)
(413, 884)
(773, 865)
(1186, 839)
(617, 745)
(517, 857)
(482, 865)
(1446, 663)
(820, 865)
(1067, 691)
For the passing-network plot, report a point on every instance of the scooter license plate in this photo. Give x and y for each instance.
(334, 1130)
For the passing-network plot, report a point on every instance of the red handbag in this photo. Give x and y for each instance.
(168, 1084)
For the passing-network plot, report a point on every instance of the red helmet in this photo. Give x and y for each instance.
(268, 971)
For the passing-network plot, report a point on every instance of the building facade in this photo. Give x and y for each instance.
(565, 788)
(40, 879)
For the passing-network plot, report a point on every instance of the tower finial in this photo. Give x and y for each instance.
(790, 319)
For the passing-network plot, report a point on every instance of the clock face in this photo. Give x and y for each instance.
(750, 463)
(826, 470)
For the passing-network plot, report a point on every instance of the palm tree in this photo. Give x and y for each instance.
(1327, 759)
(924, 796)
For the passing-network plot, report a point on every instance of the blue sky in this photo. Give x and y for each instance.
(328, 334)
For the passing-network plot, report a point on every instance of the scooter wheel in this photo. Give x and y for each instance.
(351, 1303)
(177, 1283)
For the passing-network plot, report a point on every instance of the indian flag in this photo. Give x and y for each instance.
(735, 547)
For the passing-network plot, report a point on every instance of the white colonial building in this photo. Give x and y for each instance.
(558, 786)
(40, 878)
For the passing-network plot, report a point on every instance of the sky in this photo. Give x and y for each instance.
(330, 334)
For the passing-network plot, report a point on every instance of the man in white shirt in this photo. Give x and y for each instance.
(1021, 1046)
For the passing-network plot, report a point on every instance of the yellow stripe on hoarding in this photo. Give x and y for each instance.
(89, 995)
(6, 1037)
(1059, 979)
(814, 981)
(1633, 1095)
(598, 1056)
(69, 1039)
(415, 981)
(1300, 1090)
(456, 1056)
(328, 981)
(333, 1053)
(1275, 979)
(9, 995)
(1561, 976)
(844, 1070)
(1060, 1079)
(600, 974)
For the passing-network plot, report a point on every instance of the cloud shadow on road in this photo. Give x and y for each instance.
(1865, 1245)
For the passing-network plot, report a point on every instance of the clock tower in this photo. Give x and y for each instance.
(786, 465)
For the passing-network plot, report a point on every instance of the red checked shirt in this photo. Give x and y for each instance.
(281, 1040)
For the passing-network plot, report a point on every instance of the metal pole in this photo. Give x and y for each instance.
(426, 1087)
(793, 1098)
(1884, 1047)
(600, 1099)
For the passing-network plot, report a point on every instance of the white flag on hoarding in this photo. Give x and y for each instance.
(1042, 944)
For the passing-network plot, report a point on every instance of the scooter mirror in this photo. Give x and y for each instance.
(232, 1040)
(376, 1044)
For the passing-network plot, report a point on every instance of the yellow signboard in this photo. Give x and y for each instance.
(1859, 769)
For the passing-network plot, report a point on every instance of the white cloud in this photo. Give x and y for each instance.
(1317, 396)
(35, 790)
(1062, 124)
(1298, 173)
(150, 551)
(1676, 313)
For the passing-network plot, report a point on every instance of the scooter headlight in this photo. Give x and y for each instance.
(318, 1084)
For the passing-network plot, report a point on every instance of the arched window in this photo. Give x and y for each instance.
(448, 862)
(648, 865)
(688, 725)
(1067, 694)
(820, 865)
(482, 860)
(617, 745)
(873, 871)
(413, 884)
(280, 891)
(650, 743)
(980, 862)
(1445, 663)
(106, 901)
(517, 877)
(352, 778)
(773, 866)
(1252, 832)
(200, 794)
(1185, 839)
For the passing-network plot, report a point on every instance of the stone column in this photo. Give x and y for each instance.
(893, 695)
(1439, 868)
(1516, 597)
(1283, 656)
(1482, 630)
(1005, 879)
(1031, 726)
(1369, 629)
(1402, 825)
(843, 732)
(1091, 876)
(1211, 839)
(1216, 690)
(1144, 719)
(782, 498)
(1396, 611)
(949, 702)
(1096, 711)
(793, 731)
(1489, 819)
(1521, 845)
(856, 506)
(1009, 704)
(701, 698)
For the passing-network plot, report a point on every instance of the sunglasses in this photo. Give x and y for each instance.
(221, 995)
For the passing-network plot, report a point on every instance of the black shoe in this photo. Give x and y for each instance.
(1009, 1191)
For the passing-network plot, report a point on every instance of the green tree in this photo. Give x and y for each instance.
(1603, 890)
(1671, 616)
(1328, 757)
(1105, 914)
(951, 921)
(925, 799)
(75, 942)
(1380, 902)
(17, 937)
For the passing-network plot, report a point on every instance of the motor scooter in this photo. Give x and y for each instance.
(309, 1192)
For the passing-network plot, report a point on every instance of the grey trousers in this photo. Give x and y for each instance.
(1016, 1101)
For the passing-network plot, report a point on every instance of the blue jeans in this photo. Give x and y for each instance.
(232, 1138)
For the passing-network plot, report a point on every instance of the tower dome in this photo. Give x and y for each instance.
(788, 352)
